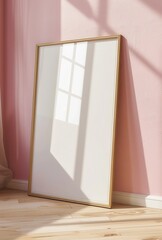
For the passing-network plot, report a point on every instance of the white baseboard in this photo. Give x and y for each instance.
(138, 199)
(118, 197)
(18, 184)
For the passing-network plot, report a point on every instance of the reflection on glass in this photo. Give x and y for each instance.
(70, 82)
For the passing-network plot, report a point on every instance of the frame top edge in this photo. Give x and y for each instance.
(79, 40)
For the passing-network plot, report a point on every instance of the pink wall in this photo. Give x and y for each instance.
(138, 149)
(1, 43)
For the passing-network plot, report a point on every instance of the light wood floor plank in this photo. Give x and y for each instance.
(23, 218)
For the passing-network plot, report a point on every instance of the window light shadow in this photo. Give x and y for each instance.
(83, 6)
(145, 62)
(70, 83)
(154, 5)
(100, 19)
(130, 149)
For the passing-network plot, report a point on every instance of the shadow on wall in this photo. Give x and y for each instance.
(155, 5)
(129, 153)
(100, 18)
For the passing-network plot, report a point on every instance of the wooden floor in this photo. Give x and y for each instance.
(23, 218)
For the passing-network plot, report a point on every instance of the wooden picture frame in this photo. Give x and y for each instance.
(74, 115)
